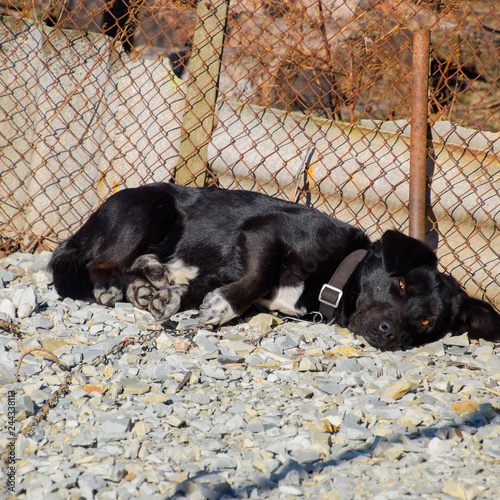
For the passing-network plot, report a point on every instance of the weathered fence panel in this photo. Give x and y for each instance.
(82, 116)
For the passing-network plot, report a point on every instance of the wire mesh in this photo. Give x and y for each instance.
(313, 105)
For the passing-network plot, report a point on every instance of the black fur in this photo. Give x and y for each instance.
(117, 22)
(168, 248)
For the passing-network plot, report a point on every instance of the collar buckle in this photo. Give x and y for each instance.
(335, 290)
(331, 295)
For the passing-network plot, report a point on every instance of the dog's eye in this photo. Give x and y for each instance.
(425, 322)
(402, 285)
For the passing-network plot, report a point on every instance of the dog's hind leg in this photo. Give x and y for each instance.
(153, 291)
(150, 277)
(108, 284)
(110, 294)
(111, 285)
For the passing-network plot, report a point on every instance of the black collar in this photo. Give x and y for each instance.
(332, 292)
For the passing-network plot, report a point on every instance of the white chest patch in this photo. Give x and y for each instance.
(179, 273)
(283, 299)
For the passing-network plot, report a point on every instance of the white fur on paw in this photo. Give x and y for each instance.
(215, 309)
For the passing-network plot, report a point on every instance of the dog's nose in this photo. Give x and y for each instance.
(387, 329)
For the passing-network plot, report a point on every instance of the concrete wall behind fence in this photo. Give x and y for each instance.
(70, 134)
(75, 114)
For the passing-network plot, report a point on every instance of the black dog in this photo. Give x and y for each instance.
(168, 248)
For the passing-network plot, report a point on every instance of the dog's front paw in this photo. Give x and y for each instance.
(215, 309)
(140, 293)
(108, 297)
(167, 301)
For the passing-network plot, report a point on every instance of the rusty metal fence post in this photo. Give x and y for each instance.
(418, 147)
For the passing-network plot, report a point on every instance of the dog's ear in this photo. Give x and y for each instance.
(479, 319)
(400, 253)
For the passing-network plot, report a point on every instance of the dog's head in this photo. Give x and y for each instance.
(404, 299)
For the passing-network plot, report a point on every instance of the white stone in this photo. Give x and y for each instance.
(438, 447)
(7, 307)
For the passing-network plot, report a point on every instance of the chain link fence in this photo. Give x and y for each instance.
(309, 100)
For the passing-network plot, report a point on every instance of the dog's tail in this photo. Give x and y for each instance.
(70, 274)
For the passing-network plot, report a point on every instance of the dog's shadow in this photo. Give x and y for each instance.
(212, 486)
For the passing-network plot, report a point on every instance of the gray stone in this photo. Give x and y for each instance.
(459, 340)
(333, 389)
(287, 342)
(348, 365)
(239, 346)
(24, 407)
(272, 346)
(110, 472)
(124, 308)
(25, 296)
(492, 447)
(134, 386)
(213, 371)
(493, 365)
(476, 418)
(201, 425)
(206, 486)
(92, 482)
(86, 437)
(199, 398)
(290, 490)
(42, 322)
(6, 276)
(208, 350)
(114, 424)
(259, 426)
(255, 359)
(305, 456)
(187, 323)
(227, 359)
(355, 431)
(224, 462)
(235, 422)
(309, 364)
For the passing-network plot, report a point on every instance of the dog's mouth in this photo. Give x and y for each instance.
(382, 344)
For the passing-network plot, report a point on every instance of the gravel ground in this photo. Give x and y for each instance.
(263, 408)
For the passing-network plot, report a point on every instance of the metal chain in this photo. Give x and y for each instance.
(64, 386)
